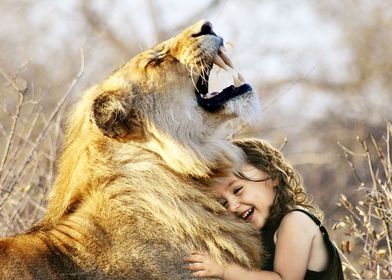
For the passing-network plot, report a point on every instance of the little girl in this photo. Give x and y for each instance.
(268, 193)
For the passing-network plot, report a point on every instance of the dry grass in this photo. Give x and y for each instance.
(28, 150)
(367, 225)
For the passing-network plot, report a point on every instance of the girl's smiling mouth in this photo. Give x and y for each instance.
(247, 214)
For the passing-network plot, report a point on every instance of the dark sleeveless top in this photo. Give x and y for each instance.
(334, 267)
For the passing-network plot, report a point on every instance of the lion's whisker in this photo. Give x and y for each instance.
(193, 80)
(209, 54)
(203, 67)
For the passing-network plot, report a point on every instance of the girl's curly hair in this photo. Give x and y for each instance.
(290, 192)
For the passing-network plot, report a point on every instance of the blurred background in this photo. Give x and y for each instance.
(322, 70)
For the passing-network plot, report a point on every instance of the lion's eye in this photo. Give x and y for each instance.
(156, 60)
(160, 56)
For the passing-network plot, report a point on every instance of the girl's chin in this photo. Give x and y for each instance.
(258, 222)
(258, 226)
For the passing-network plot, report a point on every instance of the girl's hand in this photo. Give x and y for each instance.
(204, 266)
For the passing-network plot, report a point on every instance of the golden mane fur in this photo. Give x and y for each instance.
(131, 199)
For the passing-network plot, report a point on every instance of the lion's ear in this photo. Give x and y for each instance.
(113, 114)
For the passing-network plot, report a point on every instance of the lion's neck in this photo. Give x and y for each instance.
(196, 156)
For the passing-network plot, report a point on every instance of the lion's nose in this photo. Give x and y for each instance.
(206, 29)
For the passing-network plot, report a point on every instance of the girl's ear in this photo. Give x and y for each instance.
(275, 182)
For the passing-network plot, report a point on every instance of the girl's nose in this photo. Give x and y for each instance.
(233, 205)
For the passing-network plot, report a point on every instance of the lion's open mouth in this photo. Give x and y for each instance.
(213, 101)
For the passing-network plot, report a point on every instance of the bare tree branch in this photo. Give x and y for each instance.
(21, 95)
(43, 132)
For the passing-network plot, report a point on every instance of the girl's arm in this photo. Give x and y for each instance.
(294, 241)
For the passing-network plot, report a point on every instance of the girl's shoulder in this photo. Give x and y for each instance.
(299, 220)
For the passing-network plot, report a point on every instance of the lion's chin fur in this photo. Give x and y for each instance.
(248, 109)
(131, 197)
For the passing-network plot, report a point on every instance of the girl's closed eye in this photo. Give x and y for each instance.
(237, 190)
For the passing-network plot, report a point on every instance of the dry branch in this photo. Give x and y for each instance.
(32, 154)
(21, 95)
(373, 214)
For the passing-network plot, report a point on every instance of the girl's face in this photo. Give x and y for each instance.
(250, 201)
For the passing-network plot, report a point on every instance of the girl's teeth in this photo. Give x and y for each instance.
(247, 213)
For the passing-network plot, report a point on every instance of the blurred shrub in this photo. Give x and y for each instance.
(367, 224)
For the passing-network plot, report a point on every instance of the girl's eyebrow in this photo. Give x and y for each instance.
(233, 182)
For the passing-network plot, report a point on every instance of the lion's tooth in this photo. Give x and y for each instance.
(218, 61)
(237, 81)
(242, 79)
(224, 57)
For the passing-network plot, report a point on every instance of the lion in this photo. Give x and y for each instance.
(131, 196)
